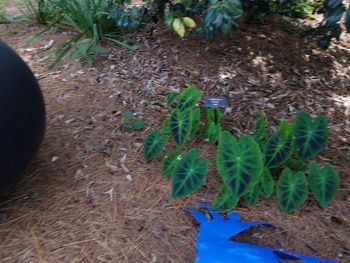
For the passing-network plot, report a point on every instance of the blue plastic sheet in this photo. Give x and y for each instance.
(214, 245)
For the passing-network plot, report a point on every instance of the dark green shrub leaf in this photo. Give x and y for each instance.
(180, 125)
(260, 129)
(226, 201)
(188, 98)
(310, 135)
(196, 118)
(334, 15)
(190, 174)
(252, 196)
(170, 99)
(239, 163)
(324, 183)
(278, 149)
(169, 163)
(213, 132)
(154, 144)
(266, 183)
(348, 156)
(291, 190)
(347, 20)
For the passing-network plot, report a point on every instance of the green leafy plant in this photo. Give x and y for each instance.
(94, 21)
(250, 166)
(131, 122)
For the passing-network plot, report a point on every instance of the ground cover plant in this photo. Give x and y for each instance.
(249, 165)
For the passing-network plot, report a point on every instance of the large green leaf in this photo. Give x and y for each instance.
(169, 163)
(213, 132)
(324, 183)
(266, 183)
(227, 200)
(190, 174)
(291, 190)
(310, 135)
(154, 144)
(180, 125)
(188, 98)
(196, 119)
(260, 129)
(239, 163)
(278, 149)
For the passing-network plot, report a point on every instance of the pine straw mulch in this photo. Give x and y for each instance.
(89, 196)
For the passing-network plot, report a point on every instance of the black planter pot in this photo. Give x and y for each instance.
(22, 117)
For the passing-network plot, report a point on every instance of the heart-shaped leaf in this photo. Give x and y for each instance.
(291, 190)
(278, 149)
(227, 200)
(324, 183)
(169, 163)
(190, 174)
(239, 163)
(180, 125)
(213, 132)
(188, 98)
(267, 183)
(196, 118)
(154, 144)
(310, 135)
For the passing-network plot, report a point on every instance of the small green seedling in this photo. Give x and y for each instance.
(131, 122)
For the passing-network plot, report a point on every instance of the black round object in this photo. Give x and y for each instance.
(22, 117)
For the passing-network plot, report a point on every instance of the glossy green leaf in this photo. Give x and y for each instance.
(310, 135)
(261, 134)
(188, 98)
(227, 200)
(278, 149)
(169, 163)
(196, 118)
(171, 98)
(180, 125)
(239, 163)
(291, 190)
(154, 144)
(252, 196)
(324, 183)
(213, 132)
(267, 183)
(190, 174)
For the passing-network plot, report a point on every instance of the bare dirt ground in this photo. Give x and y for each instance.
(89, 196)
